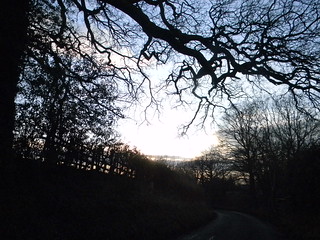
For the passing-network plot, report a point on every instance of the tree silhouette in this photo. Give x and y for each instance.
(265, 138)
(54, 109)
(13, 29)
(66, 93)
(216, 46)
(242, 128)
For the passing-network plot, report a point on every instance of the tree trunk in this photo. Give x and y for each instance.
(13, 37)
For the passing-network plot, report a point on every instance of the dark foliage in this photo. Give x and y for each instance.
(304, 179)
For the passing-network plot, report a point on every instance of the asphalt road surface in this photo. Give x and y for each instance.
(231, 225)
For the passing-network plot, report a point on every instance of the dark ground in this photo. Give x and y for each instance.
(64, 203)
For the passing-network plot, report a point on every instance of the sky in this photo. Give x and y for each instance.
(161, 135)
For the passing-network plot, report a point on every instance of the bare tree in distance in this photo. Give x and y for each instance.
(241, 130)
(212, 164)
(265, 137)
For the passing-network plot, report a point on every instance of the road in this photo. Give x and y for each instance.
(230, 225)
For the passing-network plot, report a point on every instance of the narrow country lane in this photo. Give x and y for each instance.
(230, 225)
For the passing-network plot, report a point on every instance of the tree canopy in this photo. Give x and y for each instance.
(215, 49)
(218, 48)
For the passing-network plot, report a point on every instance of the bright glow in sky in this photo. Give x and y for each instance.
(161, 136)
